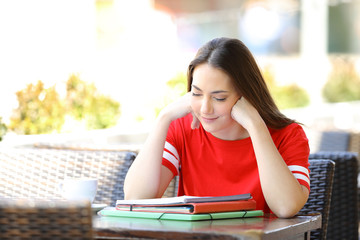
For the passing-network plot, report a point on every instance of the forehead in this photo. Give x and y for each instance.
(206, 76)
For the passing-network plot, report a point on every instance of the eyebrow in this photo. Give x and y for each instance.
(213, 92)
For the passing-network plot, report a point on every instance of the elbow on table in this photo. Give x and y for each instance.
(130, 194)
(290, 207)
(288, 210)
(285, 213)
(133, 195)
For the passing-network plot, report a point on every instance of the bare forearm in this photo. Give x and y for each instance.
(282, 192)
(143, 177)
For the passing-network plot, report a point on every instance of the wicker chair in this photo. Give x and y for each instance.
(343, 217)
(172, 189)
(28, 219)
(36, 173)
(321, 177)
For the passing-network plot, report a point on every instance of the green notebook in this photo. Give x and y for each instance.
(112, 212)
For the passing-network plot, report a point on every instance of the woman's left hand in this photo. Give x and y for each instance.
(244, 113)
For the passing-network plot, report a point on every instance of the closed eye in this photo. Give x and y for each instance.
(196, 94)
(220, 99)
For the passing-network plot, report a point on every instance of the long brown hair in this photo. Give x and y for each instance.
(234, 58)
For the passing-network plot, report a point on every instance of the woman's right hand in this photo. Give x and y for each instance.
(180, 108)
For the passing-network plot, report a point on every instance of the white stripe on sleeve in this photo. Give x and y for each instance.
(172, 149)
(171, 159)
(302, 177)
(297, 168)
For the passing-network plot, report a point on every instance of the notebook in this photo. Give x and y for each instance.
(113, 212)
(184, 199)
(191, 208)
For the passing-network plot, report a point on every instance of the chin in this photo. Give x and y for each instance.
(209, 129)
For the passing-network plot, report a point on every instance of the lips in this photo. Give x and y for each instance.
(209, 119)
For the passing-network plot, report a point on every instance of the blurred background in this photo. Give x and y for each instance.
(103, 69)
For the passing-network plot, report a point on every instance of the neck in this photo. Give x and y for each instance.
(235, 133)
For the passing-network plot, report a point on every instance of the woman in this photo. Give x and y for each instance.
(225, 137)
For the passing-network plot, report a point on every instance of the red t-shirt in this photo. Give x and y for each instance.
(208, 166)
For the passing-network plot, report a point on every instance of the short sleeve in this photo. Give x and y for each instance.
(171, 158)
(293, 146)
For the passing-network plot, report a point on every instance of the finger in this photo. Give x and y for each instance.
(195, 122)
(235, 110)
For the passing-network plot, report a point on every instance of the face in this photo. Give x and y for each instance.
(213, 97)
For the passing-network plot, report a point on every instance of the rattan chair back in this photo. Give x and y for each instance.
(37, 173)
(321, 182)
(29, 219)
(172, 189)
(343, 215)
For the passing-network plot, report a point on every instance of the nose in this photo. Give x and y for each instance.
(206, 106)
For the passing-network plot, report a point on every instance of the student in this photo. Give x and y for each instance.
(225, 136)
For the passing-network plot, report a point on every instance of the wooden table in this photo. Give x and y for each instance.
(268, 227)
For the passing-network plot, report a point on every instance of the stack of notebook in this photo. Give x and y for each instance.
(186, 208)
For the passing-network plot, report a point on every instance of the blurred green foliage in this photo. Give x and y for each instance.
(41, 110)
(84, 102)
(288, 96)
(178, 85)
(343, 83)
(3, 129)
